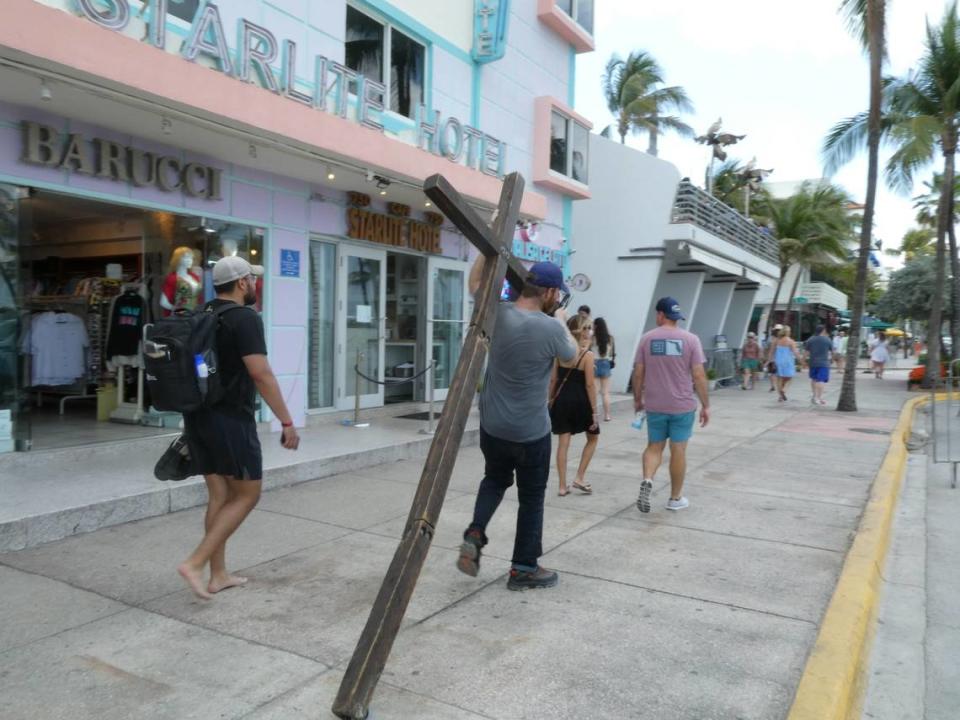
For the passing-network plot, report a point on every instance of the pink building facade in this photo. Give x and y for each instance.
(294, 133)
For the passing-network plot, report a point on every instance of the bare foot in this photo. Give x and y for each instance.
(194, 581)
(226, 582)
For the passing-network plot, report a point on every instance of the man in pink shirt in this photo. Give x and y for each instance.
(667, 369)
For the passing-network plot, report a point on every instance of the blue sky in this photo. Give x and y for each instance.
(780, 71)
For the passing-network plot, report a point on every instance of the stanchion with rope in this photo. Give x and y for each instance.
(390, 382)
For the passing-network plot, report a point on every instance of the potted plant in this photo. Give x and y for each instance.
(712, 378)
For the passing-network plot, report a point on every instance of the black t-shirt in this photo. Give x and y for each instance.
(240, 334)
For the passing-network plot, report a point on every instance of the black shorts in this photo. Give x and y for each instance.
(222, 444)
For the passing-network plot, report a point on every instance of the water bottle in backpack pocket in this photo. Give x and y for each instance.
(180, 360)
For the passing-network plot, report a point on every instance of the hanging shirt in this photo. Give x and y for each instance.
(126, 326)
(58, 344)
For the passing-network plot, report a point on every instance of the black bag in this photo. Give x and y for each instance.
(172, 349)
(175, 463)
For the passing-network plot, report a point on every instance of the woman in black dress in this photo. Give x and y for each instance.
(573, 402)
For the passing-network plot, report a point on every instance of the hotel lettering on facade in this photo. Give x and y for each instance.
(142, 140)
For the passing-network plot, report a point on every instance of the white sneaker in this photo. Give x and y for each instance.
(678, 504)
(643, 500)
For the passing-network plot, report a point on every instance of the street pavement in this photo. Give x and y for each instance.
(704, 614)
(914, 669)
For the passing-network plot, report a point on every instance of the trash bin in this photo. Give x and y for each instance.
(106, 401)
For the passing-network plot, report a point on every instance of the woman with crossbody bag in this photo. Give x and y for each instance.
(573, 402)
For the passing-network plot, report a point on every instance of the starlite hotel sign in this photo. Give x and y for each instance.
(258, 52)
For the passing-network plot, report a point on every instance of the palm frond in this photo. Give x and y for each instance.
(845, 139)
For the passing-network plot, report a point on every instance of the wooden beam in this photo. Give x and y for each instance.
(370, 656)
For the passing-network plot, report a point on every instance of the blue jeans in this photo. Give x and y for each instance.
(531, 462)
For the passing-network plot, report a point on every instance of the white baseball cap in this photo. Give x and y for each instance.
(232, 268)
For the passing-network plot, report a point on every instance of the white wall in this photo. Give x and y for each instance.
(632, 200)
(711, 313)
(738, 317)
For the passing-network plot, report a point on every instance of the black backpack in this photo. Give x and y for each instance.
(171, 348)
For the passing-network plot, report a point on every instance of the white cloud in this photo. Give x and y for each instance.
(780, 71)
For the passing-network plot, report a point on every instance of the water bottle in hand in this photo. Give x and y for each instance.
(637, 423)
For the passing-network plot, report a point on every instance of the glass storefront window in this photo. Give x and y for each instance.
(9, 316)
(447, 324)
(323, 298)
(363, 323)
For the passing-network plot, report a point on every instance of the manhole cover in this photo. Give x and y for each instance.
(869, 431)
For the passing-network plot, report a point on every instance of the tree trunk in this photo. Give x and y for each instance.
(875, 30)
(932, 374)
(954, 282)
(793, 294)
(654, 138)
(773, 305)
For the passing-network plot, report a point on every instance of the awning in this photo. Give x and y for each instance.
(718, 262)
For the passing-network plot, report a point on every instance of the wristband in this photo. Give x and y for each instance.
(286, 425)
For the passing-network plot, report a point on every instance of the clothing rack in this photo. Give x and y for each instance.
(75, 305)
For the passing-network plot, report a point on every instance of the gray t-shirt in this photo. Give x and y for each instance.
(513, 402)
(820, 348)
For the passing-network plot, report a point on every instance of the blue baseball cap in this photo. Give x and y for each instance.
(547, 275)
(670, 308)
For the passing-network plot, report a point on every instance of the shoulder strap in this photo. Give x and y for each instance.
(223, 309)
(567, 377)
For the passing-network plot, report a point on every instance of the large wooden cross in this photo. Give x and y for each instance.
(373, 648)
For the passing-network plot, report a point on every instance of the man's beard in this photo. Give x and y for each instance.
(250, 298)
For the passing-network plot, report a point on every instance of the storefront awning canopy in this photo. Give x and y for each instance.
(877, 325)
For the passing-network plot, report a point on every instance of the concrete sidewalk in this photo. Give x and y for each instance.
(707, 613)
(914, 669)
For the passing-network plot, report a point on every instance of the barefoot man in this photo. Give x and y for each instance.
(223, 439)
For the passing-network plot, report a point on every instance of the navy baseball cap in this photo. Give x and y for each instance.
(671, 308)
(547, 275)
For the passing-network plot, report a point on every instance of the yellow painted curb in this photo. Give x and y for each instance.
(832, 685)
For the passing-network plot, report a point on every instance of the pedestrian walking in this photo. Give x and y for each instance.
(770, 349)
(879, 355)
(573, 405)
(819, 348)
(515, 422)
(669, 367)
(223, 439)
(840, 349)
(749, 360)
(605, 352)
(785, 355)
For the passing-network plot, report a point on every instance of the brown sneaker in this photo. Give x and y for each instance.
(469, 560)
(539, 578)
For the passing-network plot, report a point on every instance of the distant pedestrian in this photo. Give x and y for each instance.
(514, 421)
(770, 349)
(573, 405)
(749, 360)
(605, 350)
(669, 367)
(819, 347)
(840, 349)
(879, 355)
(785, 355)
(584, 312)
(223, 439)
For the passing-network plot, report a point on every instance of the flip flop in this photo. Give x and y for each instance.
(563, 493)
(585, 489)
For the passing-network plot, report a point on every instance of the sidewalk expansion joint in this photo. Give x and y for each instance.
(661, 523)
(695, 598)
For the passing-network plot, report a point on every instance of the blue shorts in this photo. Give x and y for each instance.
(678, 428)
(820, 374)
(601, 368)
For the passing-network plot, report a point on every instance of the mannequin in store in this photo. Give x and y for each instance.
(181, 289)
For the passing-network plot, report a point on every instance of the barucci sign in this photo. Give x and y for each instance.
(258, 52)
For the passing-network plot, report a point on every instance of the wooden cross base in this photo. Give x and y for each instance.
(370, 656)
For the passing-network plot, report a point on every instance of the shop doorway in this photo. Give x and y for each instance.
(82, 277)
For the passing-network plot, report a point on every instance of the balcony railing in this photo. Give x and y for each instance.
(697, 207)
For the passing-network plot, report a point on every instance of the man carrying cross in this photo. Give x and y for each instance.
(514, 421)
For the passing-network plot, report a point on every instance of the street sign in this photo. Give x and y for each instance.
(800, 300)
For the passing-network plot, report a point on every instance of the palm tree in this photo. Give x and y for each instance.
(636, 97)
(927, 206)
(916, 242)
(867, 20)
(814, 227)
